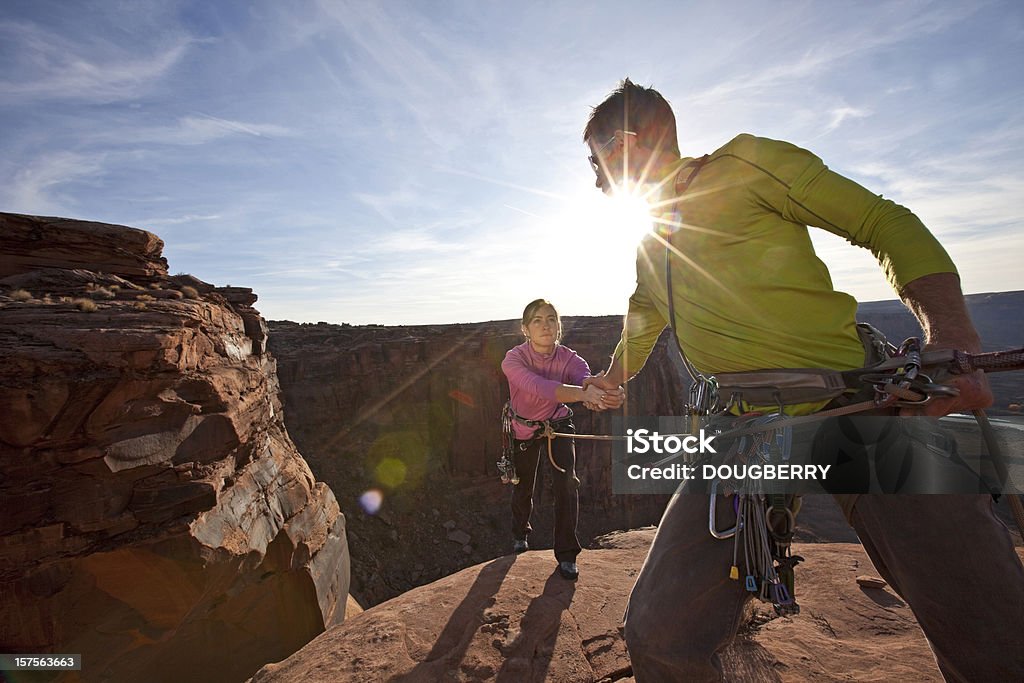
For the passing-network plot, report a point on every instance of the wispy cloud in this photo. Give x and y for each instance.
(398, 162)
(387, 203)
(178, 220)
(51, 66)
(841, 114)
(778, 70)
(194, 129)
(36, 186)
(413, 241)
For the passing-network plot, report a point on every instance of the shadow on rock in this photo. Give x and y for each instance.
(451, 645)
(528, 657)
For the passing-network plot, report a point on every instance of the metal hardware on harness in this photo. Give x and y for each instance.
(765, 531)
(764, 523)
(506, 464)
(712, 526)
(906, 385)
(703, 395)
(910, 349)
(773, 445)
(507, 470)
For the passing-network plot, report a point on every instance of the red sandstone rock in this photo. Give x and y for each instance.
(514, 619)
(155, 516)
(34, 242)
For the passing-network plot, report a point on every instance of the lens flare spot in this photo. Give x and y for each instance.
(390, 472)
(371, 501)
(462, 397)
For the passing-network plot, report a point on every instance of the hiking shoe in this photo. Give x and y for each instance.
(568, 570)
(520, 546)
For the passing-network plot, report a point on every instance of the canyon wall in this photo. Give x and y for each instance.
(412, 412)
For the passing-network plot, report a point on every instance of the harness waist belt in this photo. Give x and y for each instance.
(539, 423)
(787, 386)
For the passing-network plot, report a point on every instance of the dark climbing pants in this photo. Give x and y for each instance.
(946, 555)
(527, 458)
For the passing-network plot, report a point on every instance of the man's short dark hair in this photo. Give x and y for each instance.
(639, 109)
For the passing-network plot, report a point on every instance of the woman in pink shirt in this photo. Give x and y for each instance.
(542, 377)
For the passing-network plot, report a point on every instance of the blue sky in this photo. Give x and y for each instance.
(422, 162)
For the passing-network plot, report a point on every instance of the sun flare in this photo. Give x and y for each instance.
(599, 235)
(619, 221)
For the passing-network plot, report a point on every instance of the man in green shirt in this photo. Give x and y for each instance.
(749, 293)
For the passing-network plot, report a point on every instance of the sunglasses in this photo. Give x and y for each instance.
(595, 161)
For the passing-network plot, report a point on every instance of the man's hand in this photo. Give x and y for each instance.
(600, 380)
(975, 394)
(938, 304)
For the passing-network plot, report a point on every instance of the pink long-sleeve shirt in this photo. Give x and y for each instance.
(533, 378)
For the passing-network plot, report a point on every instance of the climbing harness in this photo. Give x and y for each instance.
(765, 522)
(542, 429)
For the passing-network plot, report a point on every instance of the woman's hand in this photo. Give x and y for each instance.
(593, 395)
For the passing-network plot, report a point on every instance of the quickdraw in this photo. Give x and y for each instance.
(506, 464)
(765, 523)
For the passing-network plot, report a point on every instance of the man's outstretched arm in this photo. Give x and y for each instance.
(641, 328)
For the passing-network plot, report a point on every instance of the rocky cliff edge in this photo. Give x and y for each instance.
(155, 516)
(515, 619)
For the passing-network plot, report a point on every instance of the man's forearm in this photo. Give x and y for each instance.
(938, 303)
(614, 377)
(616, 372)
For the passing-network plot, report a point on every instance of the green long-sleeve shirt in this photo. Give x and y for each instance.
(750, 292)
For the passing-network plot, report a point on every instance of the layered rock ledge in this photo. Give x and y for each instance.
(155, 516)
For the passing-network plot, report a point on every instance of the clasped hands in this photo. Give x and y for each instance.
(600, 394)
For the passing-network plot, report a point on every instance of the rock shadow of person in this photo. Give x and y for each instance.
(451, 645)
(528, 656)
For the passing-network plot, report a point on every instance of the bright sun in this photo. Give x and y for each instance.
(602, 233)
(619, 221)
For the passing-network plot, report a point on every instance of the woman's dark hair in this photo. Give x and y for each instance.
(639, 109)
